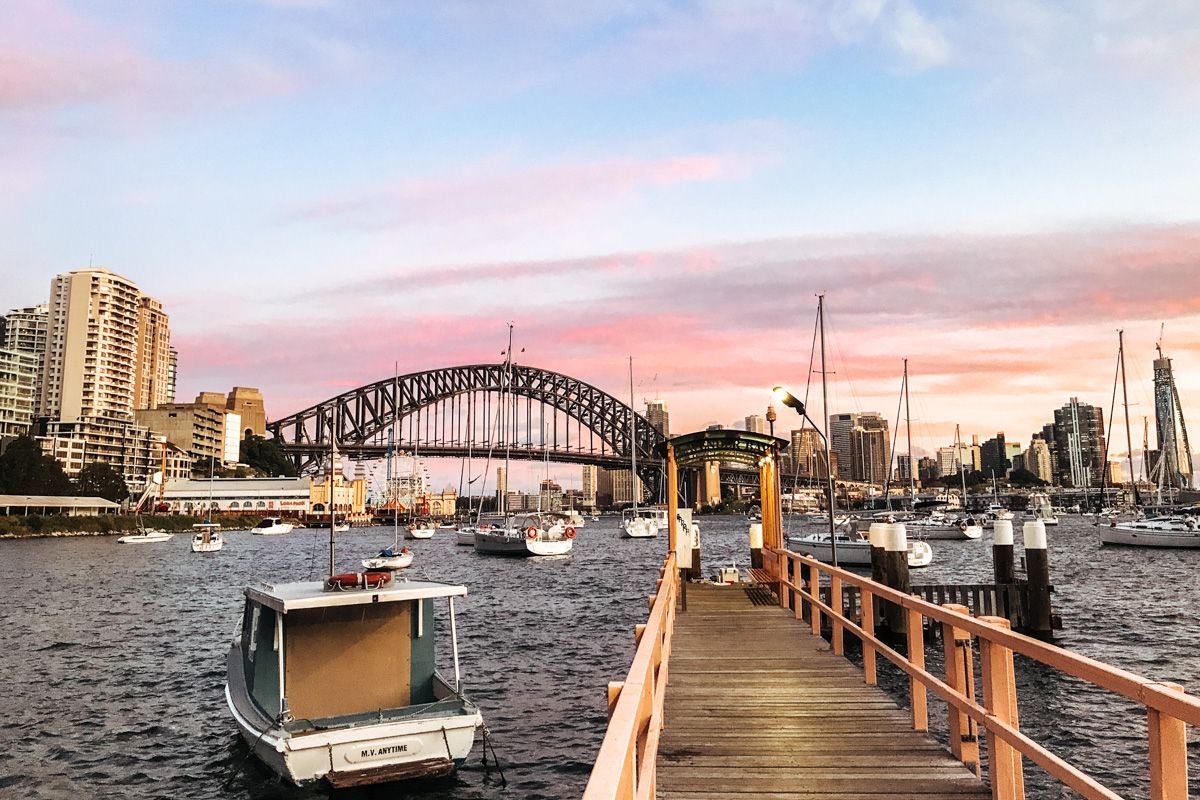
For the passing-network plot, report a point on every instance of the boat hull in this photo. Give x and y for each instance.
(419, 533)
(208, 547)
(388, 562)
(640, 528)
(464, 538)
(277, 530)
(946, 532)
(145, 538)
(1142, 537)
(354, 754)
(518, 545)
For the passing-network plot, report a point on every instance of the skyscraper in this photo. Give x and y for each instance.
(1174, 467)
(1079, 428)
(869, 450)
(107, 348)
(23, 330)
(589, 484)
(107, 352)
(756, 423)
(860, 442)
(659, 419)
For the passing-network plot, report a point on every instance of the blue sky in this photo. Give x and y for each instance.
(604, 170)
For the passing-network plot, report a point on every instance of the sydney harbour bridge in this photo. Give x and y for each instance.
(482, 411)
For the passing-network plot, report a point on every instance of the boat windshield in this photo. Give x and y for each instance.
(269, 522)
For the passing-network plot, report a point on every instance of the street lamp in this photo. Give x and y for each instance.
(793, 402)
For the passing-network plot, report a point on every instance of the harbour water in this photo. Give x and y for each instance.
(114, 657)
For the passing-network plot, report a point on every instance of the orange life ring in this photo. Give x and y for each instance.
(357, 580)
(962, 526)
(569, 532)
(531, 532)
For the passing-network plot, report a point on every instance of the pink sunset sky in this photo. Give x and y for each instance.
(988, 189)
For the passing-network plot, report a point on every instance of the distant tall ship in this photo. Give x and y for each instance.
(1171, 468)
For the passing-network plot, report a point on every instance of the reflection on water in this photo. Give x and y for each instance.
(114, 656)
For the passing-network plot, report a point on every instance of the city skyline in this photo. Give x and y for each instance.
(967, 183)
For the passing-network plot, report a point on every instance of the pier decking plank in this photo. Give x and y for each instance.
(758, 706)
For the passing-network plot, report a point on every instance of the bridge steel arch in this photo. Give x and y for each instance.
(455, 411)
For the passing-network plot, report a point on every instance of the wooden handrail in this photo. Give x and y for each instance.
(1168, 707)
(625, 764)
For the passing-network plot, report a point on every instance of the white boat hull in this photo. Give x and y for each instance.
(275, 530)
(640, 528)
(419, 533)
(945, 532)
(856, 553)
(399, 561)
(1144, 537)
(465, 538)
(518, 544)
(210, 546)
(335, 754)
(149, 537)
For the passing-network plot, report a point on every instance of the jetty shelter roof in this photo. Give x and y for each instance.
(740, 447)
(40, 503)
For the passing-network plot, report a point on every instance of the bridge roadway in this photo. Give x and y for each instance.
(757, 706)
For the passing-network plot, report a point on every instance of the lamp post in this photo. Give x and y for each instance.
(791, 401)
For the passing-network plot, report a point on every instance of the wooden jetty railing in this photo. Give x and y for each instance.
(1168, 709)
(625, 765)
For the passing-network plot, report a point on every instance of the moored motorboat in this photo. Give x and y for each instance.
(637, 525)
(272, 526)
(334, 682)
(1039, 508)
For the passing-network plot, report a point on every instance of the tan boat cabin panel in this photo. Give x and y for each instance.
(347, 659)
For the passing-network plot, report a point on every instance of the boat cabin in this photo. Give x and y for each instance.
(310, 655)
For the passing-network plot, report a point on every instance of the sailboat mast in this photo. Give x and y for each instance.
(393, 482)
(633, 441)
(825, 410)
(912, 481)
(332, 468)
(962, 466)
(505, 397)
(1125, 403)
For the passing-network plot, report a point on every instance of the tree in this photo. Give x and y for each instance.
(1023, 477)
(98, 479)
(266, 457)
(25, 470)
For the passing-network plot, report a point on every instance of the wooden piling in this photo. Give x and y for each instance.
(877, 533)
(1002, 552)
(895, 575)
(1037, 574)
(756, 545)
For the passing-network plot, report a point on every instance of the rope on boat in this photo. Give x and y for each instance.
(487, 742)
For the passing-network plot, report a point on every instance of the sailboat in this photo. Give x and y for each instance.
(633, 524)
(146, 535)
(334, 682)
(207, 537)
(939, 525)
(394, 557)
(531, 534)
(1166, 531)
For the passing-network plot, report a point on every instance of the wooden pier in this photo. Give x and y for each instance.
(759, 707)
(733, 692)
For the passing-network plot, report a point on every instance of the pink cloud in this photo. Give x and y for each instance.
(512, 198)
(999, 331)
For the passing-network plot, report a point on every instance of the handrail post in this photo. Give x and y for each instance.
(814, 591)
(868, 626)
(916, 656)
(835, 602)
(960, 675)
(1168, 753)
(1000, 699)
